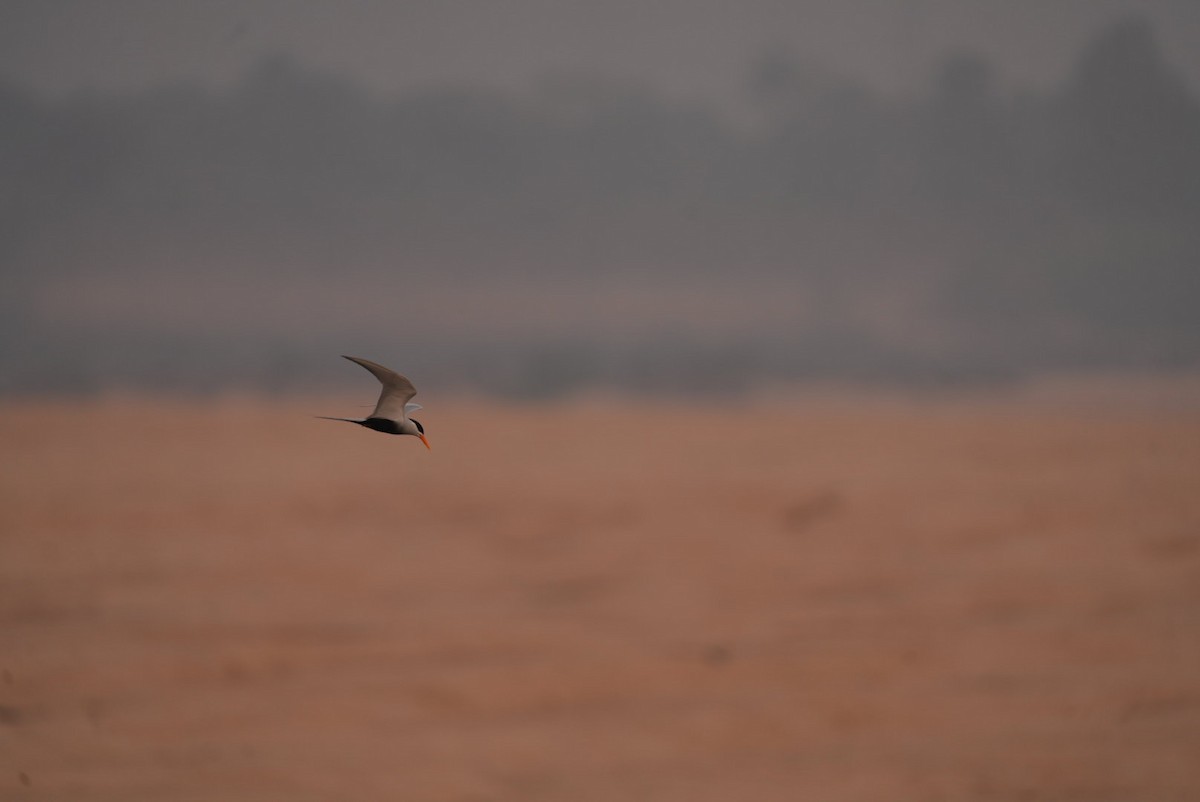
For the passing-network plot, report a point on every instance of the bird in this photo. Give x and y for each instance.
(394, 405)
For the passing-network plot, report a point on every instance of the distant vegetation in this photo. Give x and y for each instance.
(968, 232)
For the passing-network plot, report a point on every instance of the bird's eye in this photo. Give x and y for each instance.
(417, 423)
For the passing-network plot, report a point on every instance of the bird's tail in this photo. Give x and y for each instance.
(347, 420)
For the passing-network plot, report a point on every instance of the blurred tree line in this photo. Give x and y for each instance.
(1037, 230)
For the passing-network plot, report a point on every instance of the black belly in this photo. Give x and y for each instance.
(382, 425)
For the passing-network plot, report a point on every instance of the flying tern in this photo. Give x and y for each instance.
(391, 415)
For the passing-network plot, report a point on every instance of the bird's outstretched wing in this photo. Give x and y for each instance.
(397, 390)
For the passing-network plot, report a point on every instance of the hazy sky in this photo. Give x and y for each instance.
(495, 226)
(689, 48)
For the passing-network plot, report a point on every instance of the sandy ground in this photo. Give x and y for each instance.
(815, 600)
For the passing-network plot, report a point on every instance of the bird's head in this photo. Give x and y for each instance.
(420, 432)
